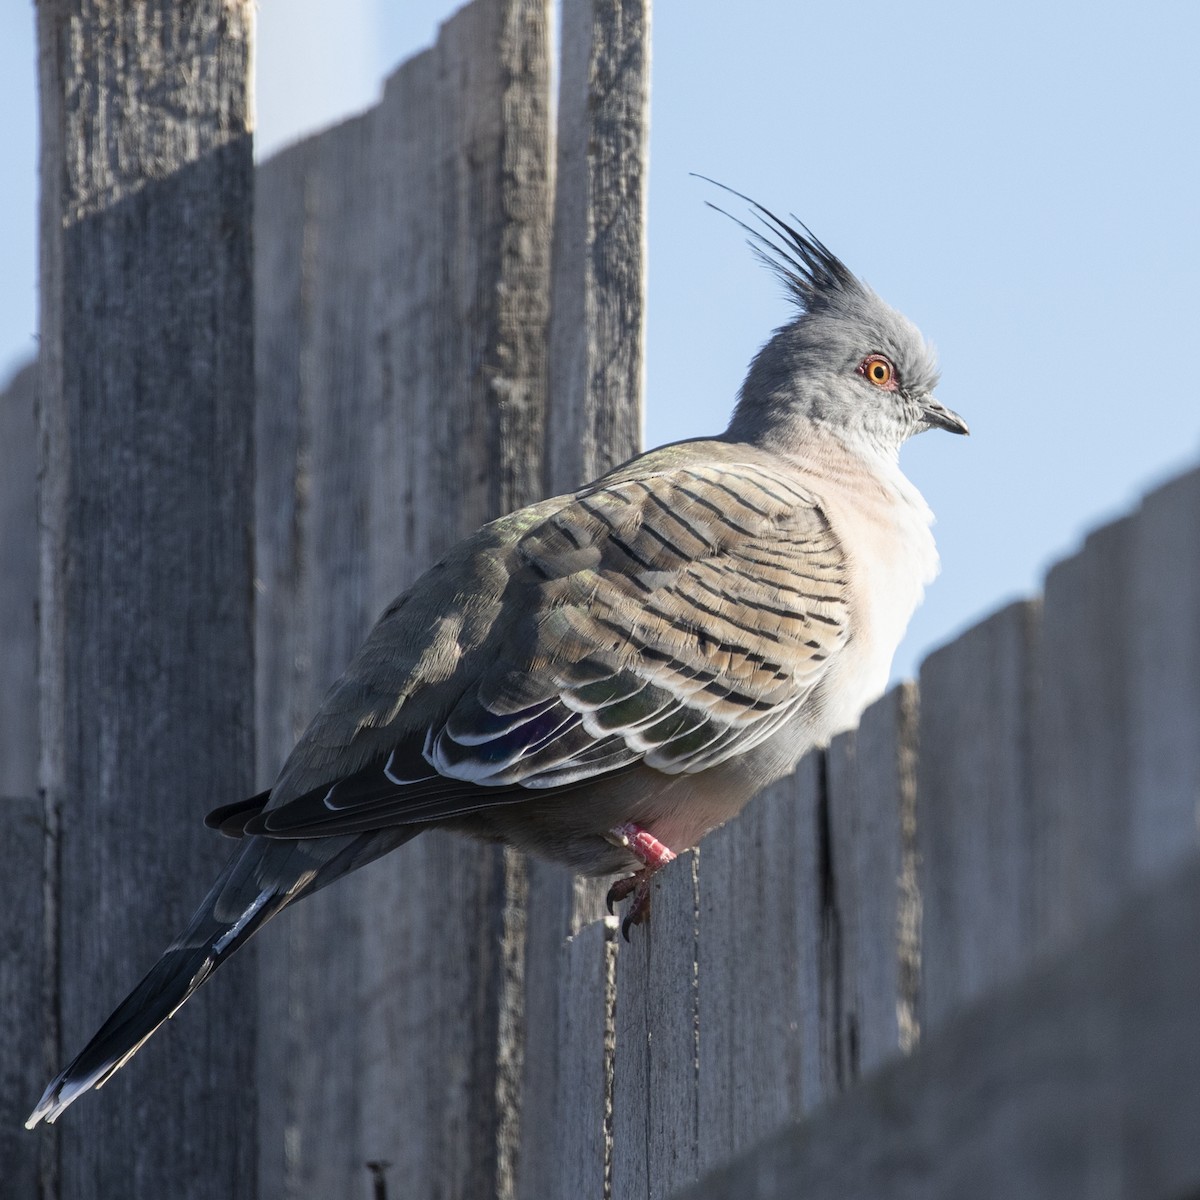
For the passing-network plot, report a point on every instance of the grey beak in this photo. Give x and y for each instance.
(940, 417)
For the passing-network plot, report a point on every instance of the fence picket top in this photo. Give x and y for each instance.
(597, 312)
(870, 883)
(1164, 633)
(1080, 736)
(974, 824)
(654, 1138)
(760, 996)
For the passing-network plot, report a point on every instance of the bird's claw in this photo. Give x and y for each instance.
(620, 890)
(636, 885)
(643, 845)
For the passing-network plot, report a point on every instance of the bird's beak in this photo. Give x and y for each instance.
(940, 417)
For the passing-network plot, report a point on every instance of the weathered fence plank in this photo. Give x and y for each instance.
(578, 1115)
(18, 586)
(22, 991)
(464, 401)
(558, 907)
(594, 335)
(283, 302)
(975, 824)
(655, 1103)
(1116, 764)
(323, 939)
(1080, 1080)
(422, 292)
(1081, 736)
(283, 315)
(869, 901)
(23, 934)
(146, 390)
(1163, 625)
(759, 988)
(597, 318)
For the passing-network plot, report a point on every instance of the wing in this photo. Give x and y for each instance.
(671, 617)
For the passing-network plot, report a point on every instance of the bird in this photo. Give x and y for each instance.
(603, 677)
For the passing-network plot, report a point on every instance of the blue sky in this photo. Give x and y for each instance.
(1020, 180)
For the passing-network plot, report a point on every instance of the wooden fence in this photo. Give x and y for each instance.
(447, 323)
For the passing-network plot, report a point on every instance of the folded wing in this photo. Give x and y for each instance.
(673, 617)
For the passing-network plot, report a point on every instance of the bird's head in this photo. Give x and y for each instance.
(848, 362)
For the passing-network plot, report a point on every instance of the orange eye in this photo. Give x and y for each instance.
(877, 370)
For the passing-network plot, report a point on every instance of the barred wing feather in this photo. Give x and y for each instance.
(672, 618)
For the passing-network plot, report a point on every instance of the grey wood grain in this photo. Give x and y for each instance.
(18, 585)
(283, 304)
(759, 964)
(312, 283)
(558, 904)
(975, 821)
(655, 1130)
(462, 397)
(146, 660)
(23, 964)
(283, 329)
(419, 307)
(869, 890)
(582, 1111)
(1164, 701)
(593, 422)
(1081, 736)
(597, 315)
(1080, 1079)
(325, 937)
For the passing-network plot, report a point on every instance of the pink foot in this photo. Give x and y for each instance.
(648, 849)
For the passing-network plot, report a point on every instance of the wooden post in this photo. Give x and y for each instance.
(146, 656)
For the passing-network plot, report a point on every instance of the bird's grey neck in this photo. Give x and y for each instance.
(787, 422)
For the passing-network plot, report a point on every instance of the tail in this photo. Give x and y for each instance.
(263, 878)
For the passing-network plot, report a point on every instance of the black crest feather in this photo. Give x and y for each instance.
(813, 275)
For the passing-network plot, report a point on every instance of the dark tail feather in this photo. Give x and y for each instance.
(230, 819)
(262, 879)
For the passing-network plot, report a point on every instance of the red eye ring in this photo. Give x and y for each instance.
(878, 370)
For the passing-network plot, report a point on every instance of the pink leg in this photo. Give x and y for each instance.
(649, 850)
